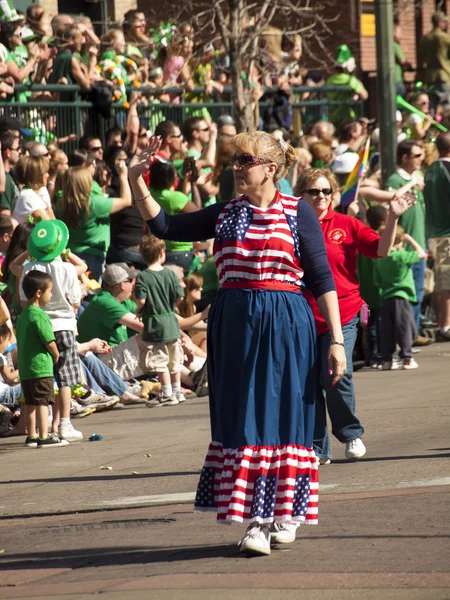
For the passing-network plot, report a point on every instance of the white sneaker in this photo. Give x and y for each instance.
(69, 433)
(181, 397)
(409, 363)
(324, 460)
(256, 540)
(164, 400)
(283, 533)
(391, 365)
(355, 449)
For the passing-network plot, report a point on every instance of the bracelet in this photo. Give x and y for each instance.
(336, 343)
(142, 198)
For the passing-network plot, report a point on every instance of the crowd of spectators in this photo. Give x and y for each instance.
(119, 283)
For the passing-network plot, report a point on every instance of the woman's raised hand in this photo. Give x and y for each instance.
(140, 163)
(400, 203)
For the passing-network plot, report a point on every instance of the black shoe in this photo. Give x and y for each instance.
(31, 442)
(51, 442)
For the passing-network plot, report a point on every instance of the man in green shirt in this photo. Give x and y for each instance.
(434, 61)
(410, 156)
(11, 153)
(437, 203)
(345, 67)
(112, 311)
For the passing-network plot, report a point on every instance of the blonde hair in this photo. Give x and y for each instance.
(73, 205)
(309, 176)
(264, 145)
(108, 38)
(55, 160)
(186, 307)
(31, 170)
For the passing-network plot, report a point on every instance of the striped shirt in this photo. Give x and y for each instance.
(258, 247)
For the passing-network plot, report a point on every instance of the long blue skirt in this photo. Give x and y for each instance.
(260, 465)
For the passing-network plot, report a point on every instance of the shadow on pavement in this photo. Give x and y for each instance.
(87, 479)
(345, 461)
(107, 557)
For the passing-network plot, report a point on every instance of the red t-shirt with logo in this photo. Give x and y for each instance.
(344, 237)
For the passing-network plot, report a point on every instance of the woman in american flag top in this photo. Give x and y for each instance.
(260, 467)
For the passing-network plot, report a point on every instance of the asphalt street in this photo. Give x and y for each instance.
(71, 529)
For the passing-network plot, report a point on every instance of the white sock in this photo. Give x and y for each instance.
(167, 389)
(445, 329)
(65, 421)
(176, 388)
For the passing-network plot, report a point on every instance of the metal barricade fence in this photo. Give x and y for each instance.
(48, 119)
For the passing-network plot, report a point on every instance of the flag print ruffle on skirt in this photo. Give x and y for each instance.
(260, 466)
(260, 484)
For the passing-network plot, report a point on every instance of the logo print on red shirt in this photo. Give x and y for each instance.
(337, 236)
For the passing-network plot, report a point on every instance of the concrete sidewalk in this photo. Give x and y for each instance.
(383, 529)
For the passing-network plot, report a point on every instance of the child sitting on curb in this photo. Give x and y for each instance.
(395, 278)
(37, 355)
(156, 292)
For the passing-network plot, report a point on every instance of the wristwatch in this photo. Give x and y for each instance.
(335, 342)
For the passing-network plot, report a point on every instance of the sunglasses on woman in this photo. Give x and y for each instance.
(316, 191)
(247, 160)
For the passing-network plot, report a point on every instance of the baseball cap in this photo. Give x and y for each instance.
(344, 163)
(29, 35)
(8, 122)
(117, 273)
(225, 120)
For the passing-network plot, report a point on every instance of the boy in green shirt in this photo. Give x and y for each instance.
(395, 279)
(37, 353)
(156, 292)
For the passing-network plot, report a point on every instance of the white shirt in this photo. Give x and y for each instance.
(3, 363)
(66, 292)
(29, 201)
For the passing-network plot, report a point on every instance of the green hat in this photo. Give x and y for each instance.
(7, 12)
(28, 35)
(48, 240)
(343, 54)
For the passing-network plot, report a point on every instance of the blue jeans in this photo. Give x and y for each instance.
(419, 282)
(95, 264)
(10, 396)
(133, 258)
(339, 400)
(100, 378)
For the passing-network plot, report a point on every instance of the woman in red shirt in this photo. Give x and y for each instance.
(344, 236)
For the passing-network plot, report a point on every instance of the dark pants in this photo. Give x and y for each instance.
(181, 259)
(439, 93)
(374, 327)
(397, 327)
(339, 400)
(132, 257)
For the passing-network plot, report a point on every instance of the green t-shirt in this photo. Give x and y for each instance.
(62, 67)
(93, 235)
(370, 292)
(9, 197)
(393, 275)
(345, 111)
(101, 320)
(205, 171)
(434, 50)
(437, 199)
(172, 203)
(160, 290)
(33, 331)
(413, 220)
(211, 283)
(398, 53)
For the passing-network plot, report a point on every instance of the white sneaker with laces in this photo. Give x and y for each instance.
(181, 397)
(283, 533)
(256, 540)
(410, 363)
(165, 400)
(355, 449)
(69, 433)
